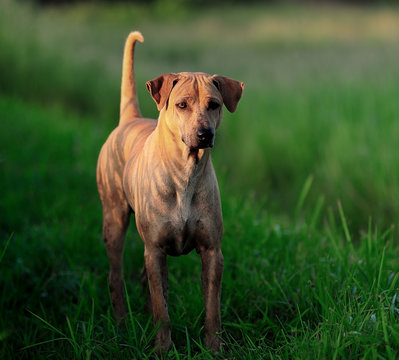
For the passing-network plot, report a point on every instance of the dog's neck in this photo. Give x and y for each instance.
(180, 161)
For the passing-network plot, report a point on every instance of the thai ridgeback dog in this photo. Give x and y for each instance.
(161, 171)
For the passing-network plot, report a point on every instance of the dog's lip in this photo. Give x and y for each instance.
(199, 146)
(204, 146)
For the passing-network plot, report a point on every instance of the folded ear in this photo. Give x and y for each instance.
(231, 91)
(160, 88)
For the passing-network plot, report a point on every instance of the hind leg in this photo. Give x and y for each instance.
(115, 224)
(146, 290)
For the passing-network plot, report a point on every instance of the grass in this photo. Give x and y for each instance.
(306, 275)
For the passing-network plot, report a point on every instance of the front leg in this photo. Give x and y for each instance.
(157, 273)
(211, 276)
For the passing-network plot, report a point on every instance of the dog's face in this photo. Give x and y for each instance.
(193, 104)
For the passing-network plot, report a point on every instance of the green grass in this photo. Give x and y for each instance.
(308, 171)
(298, 290)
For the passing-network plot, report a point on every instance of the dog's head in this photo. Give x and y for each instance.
(193, 103)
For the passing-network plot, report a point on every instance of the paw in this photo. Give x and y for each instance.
(163, 341)
(213, 342)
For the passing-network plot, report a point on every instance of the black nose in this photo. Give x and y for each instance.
(205, 136)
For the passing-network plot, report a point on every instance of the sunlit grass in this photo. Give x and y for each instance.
(291, 289)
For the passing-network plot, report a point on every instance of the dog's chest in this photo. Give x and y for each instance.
(176, 209)
(172, 217)
(180, 226)
(178, 237)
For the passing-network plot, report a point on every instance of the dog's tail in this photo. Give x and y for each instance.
(129, 102)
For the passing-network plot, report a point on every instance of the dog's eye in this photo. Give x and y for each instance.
(182, 105)
(213, 105)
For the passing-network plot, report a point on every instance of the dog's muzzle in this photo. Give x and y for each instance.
(205, 137)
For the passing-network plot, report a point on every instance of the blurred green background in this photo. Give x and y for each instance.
(318, 123)
(321, 96)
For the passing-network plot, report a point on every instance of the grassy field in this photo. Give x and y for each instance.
(308, 170)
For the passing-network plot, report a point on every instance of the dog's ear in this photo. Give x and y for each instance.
(231, 91)
(161, 87)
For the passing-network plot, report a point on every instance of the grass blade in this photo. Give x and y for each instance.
(51, 327)
(380, 269)
(73, 338)
(345, 226)
(91, 322)
(302, 197)
(44, 343)
(131, 318)
(385, 332)
(316, 213)
(5, 247)
(188, 344)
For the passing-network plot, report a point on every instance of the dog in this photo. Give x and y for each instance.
(161, 171)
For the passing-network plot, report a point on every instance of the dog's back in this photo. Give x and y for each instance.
(125, 141)
(129, 137)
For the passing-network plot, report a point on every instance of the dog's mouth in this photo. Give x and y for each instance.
(205, 146)
(199, 144)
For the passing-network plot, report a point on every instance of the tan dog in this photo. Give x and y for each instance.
(162, 171)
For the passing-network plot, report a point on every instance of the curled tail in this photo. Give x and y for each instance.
(129, 102)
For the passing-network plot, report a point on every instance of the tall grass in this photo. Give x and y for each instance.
(299, 290)
(317, 124)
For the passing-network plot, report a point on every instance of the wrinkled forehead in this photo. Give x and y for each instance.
(195, 85)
